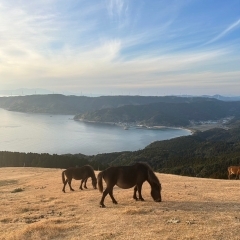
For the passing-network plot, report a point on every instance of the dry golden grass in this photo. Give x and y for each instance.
(192, 208)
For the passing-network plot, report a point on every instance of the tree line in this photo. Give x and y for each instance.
(205, 154)
(45, 160)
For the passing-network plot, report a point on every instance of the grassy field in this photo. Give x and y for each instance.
(33, 206)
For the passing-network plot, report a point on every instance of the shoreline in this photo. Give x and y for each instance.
(206, 127)
(131, 125)
(191, 128)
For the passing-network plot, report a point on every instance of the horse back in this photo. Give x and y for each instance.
(234, 169)
(78, 173)
(110, 175)
(125, 176)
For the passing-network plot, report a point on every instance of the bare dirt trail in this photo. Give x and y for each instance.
(33, 206)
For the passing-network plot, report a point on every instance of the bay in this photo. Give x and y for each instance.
(60, 134)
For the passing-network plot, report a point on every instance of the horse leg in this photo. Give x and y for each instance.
(64, 184)
(139, 188)
(69, 183)
(85, 182)
(105, 193)
(134, 193)
(112, 197)
(81, 185)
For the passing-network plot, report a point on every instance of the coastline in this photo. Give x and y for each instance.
(205, 127)
(192, 128)
(127, 126)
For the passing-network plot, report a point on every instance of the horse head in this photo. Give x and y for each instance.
(94, 183)
(156, 192)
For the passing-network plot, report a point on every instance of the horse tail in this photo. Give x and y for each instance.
(100, 182)
(63, 178)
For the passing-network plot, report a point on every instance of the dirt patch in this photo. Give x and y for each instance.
(8, 182)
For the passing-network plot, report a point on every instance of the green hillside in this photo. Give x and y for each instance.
(203, 154)
(166, 113)
(60, 104)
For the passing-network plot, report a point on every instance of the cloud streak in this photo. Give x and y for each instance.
(109, 45)
(225, 32)
(115, 7)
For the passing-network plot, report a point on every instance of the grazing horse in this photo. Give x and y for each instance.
(79, 173)
(234, 170)
(128, 177)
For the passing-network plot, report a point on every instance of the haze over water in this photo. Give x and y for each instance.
(60, 134)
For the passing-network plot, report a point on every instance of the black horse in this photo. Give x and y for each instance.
(128, 177)
(79, 173)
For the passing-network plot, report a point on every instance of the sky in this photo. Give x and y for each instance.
(121, 47)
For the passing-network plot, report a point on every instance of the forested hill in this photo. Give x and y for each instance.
(203, 154)
(166, 113)
(60, 104)
(113, 107)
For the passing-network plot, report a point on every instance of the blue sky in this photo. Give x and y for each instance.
(110, 47)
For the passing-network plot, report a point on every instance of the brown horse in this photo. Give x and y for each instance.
(128, 177)
(234, 170)
(79, 173)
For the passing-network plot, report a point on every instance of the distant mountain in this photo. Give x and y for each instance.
(177, 114)
(61, 104)
(203, 154)
(216, 96)
(151, 111)
(228, 99)
(24, 92)
(41, 91)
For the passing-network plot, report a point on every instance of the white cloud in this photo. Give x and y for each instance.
(116, 7)
(44, 44)
(118, 11)
(225, 32)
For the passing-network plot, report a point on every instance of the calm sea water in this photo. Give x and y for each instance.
(60, 134)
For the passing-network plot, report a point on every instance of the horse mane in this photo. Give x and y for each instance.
(89, 166)
(152, 176)
(92, 170)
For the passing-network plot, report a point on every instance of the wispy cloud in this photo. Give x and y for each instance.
(225, 32)
(117, 10)
(115, 7)
(113, 43)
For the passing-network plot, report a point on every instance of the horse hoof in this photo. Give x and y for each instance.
(142, 199)
(102, 206)
(115, 202)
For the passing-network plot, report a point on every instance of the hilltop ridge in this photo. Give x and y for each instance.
(150, 111)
